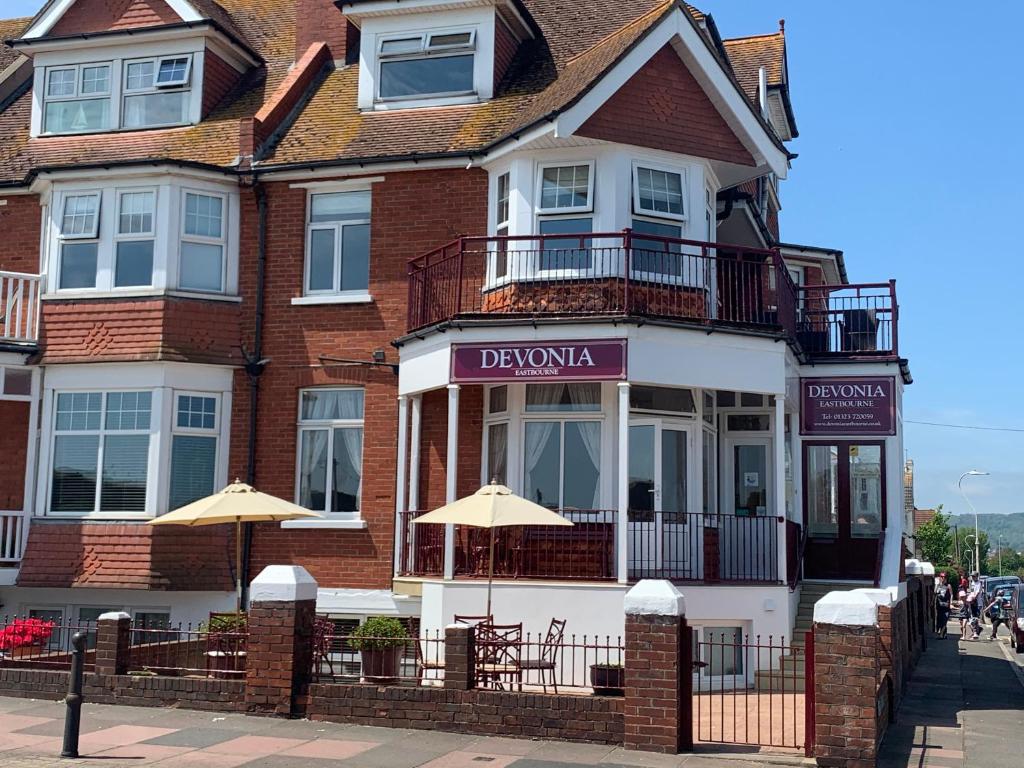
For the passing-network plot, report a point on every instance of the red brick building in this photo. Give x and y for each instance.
(367, 255)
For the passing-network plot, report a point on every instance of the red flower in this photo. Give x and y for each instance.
(22, 632)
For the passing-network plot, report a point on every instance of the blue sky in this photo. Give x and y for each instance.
(911, 162)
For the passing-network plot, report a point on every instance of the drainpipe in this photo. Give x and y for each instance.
(254, 366)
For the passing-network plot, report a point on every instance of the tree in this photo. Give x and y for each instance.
(936, 539)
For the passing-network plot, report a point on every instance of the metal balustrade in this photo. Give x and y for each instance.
(19, 307)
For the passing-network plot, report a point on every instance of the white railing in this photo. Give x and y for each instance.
(19, 306)
(12, 536)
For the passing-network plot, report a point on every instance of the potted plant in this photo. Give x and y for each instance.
(25, 637)
(380, 641)
(608, 679)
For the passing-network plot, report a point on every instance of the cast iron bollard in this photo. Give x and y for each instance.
(73, 718)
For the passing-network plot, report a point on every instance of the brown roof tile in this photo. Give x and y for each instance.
(748, 54)
(9, 29)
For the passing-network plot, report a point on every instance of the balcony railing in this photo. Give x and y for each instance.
(19, 307)
(631, 274)
(683, 547)
(12, 538)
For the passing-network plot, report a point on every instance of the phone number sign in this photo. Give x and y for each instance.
(848, 406)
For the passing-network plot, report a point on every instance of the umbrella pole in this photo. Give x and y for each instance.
(490, 574)
(238, 565)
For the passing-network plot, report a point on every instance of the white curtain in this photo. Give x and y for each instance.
(537, 434)
(590, 433)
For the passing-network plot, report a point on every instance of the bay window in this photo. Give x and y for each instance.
(658, 210)
(134, 250)
(202, 243)
(431, 64)
(193, 448)
(79, 233)
(565, 192)
(330, 453)
(338, 243)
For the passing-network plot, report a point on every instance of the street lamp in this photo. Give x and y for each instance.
(999, 552)
(960, 485)
(970, 555)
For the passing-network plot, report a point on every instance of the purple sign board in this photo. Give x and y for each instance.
(539, 361)
(848, 406)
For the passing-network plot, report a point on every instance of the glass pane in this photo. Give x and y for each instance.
(78, 265)
(193, 463)
(139, 74)
(60, 82)
(201, 267)
(125, 458)
(503, 195)
(822, 472)
(660, 191)
(656, 256)
(426, 76)
(136, 215)
(661, 399)
(865, 490)
(542, 460)
(560, 253)
(673, 471)
(321, 260)
(96, 79)
(77, 116)
(172, 71)
(204, 215)
(723, 651)
(497, 453)
(709, 407)
(725, 399)
(80, 215)
(708, 492)
(546, 398)
(453, 38)
(355, 257)
(402, 45)
(566, 186)
(582, 469)
(17, 382)
(750, 400)
(340, 206)
(74, 473)
(641, 468)
(748, 422)
(196, 412)
(497, 399)
(77, 411)
(313, 469)
(332, 404)
(134, 263)
(129, 410)
(348, 469)
(750, 481)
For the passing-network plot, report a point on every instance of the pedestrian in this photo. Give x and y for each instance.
(997, 611)
(974, 601)
(943, 598)
(960, 611)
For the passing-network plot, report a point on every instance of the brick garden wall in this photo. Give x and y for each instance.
(593, 719)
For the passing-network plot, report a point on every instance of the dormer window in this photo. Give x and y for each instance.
(156, 92)
(77, 99)
(427, 65)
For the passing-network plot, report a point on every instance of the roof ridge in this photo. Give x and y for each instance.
(777, 33)
(642, 18)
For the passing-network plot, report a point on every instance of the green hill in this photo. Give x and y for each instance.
(1010, 527)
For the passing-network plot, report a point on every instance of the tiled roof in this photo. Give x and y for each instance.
(10, 28)
(748, 54)
(922, 516)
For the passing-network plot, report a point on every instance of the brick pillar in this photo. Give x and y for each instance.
(658, 707)
(279, 662)
(889, 637)
(113, 643)
(847, 666)
(459, 657)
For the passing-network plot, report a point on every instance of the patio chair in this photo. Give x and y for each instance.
(424, 663)
(498, 652)
(323, 631)
(472, 621)
(548, 652)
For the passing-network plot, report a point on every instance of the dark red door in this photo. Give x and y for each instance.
(844, 508)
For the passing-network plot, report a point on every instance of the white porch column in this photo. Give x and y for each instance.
(451, 487)
(413, 501)
(28, 499)
(622, 540)
(402, 456)
(780, 480)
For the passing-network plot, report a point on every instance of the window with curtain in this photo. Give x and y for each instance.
(193, 449)
(156, 92)
(100, 452)
(330, 461)
(76, 98)
(202, 243)
(338, 243)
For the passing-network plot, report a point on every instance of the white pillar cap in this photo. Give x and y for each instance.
(898, 591)
(113, 616)
(912, 566)
(847, 609)
(282, 583)
(927, 569)
(654, 597)
(880, 596)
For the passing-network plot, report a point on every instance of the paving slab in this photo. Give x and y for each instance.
(195, 738)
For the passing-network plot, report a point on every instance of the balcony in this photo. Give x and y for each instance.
(19, 308)
(648, 277)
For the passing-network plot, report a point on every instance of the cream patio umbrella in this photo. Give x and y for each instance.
(238, 503)
(493, 506)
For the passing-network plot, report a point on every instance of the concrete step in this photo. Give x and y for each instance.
(775, 681)
(790, 664)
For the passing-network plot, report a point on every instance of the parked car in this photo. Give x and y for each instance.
(1017, 618)
(991, 583)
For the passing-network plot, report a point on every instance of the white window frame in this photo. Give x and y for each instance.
(78, 68)
(424, 51)
(3, 384)
(184, 80)
(94, 234)
(565, 212)
(359, 294)
(730, 681)
(222, 241)
(119, 237)
(642, 212)
(329, 425)
(214, 432)
(176, 87)
(151, 471)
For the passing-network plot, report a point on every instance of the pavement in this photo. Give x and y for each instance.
(964, 706)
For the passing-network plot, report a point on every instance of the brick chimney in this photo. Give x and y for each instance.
(322, 21)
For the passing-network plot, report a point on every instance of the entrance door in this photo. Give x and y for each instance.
(659, 528)
(748, 544)
(844, 509)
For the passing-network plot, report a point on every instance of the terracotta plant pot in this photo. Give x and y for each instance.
(607, 680)
(381, 665)
(26, 651)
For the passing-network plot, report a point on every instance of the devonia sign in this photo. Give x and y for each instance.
(539, 361)
(848, 406)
